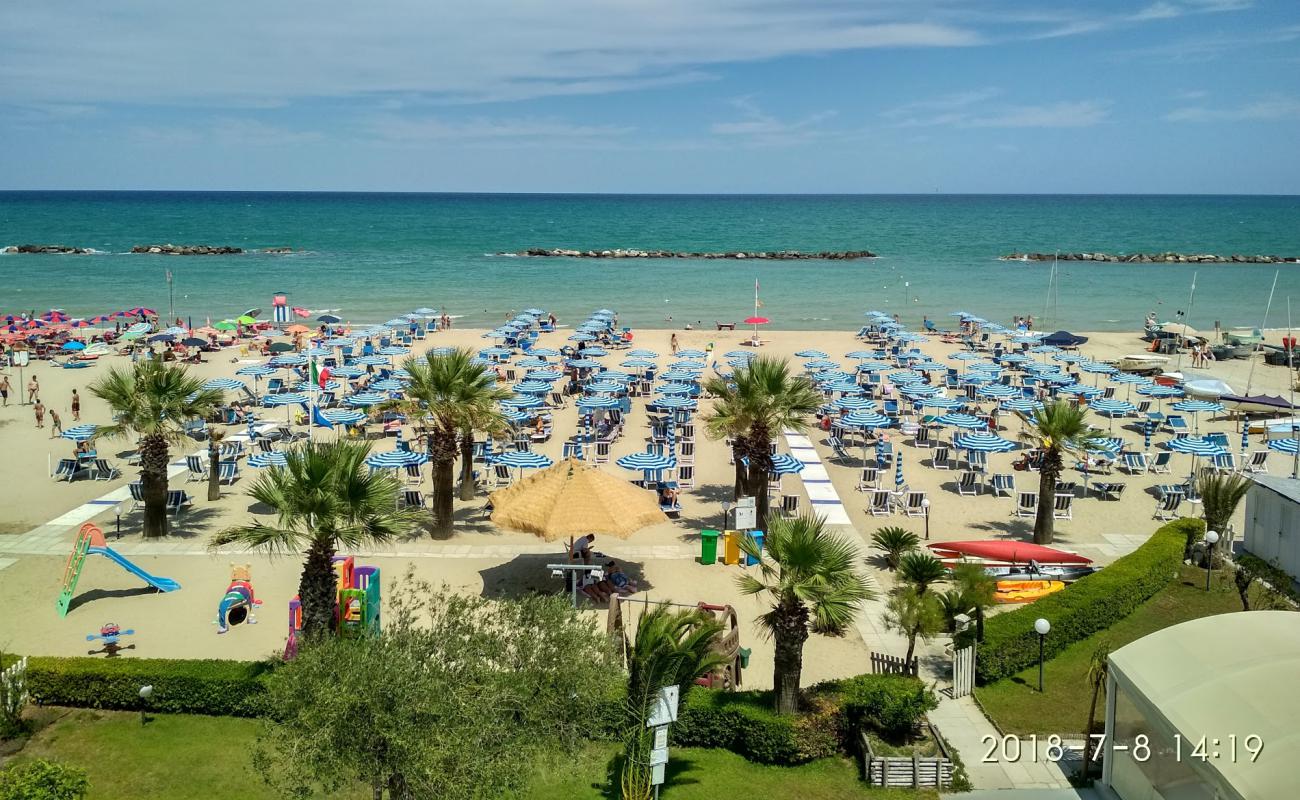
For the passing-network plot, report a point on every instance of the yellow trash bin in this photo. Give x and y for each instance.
(731, 547)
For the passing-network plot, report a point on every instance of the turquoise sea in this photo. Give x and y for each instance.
(376, 255)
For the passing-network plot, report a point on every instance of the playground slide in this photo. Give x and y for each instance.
(161, 584)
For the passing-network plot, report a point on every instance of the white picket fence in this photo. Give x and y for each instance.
(963, 671)
(15, 677)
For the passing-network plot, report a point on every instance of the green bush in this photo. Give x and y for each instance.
(216, 688)
(745, 724)
(1082, 608)
(43, 780)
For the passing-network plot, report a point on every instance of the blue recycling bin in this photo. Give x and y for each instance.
(758, 540)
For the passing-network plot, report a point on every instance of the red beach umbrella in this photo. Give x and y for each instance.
(757, 321)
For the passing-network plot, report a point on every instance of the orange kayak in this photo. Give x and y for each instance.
(1025, 591)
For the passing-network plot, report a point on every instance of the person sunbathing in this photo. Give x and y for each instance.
(594, 589)
(667, 496)
(617, 581)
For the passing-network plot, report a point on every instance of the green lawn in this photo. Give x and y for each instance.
(183, 757)
(1015, 703)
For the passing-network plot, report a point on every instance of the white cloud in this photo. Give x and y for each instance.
(1208, 48)
(976, 109)
(761, 128)
(1269, 110)
(417, 129)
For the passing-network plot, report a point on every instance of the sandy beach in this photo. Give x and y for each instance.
(481, 558)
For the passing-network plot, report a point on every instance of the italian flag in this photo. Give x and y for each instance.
(319, 375)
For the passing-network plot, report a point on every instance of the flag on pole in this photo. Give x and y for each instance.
(319, 375)
(757, 303)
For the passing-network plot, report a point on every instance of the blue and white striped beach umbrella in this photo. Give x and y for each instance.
(1195, 445)
(1080, 390)
(1161, 391)
(1198, 406)
(514, 416)
(918, 390)
(692, 353)
(820, 364)
(522, 401)
(1148, 429)
(224, 384)
(963, 421)
(581, 336)
(898, 469)
(1245, 438)
(1111, 445)
(637, 363)
(810, 354)
(543, 375)
(1112, 406)
(522, 459)
(592, 402)
(340, 341)
(613, 375)
(256, 370)
(584, 363)
(1045, 348)
(966, 355)
(272, 459)
(946, 403)
(1023, 405)
(1288, 445)
(394, 350)
(347, 372)
(674, 401)
(372, 361)
(997, 391)
(983, 442)
(680, 375)
(1097, 368)
(649, 462)
(749, 354)
(786, 464)
(388, 385)
(343, 416)
(641, 352)
(603, 387)
(532, 386)
(396, 459)
(674, 388)
(865, 419)
(366, 399)
(545, 352)
(532, 362)
(841, 386)
(284, 399)
(80, 433)
(594, 352)
(855, 404)
(1069, 358)
(874, 366)
(906, 376)
(288, 360)
(1014, 358)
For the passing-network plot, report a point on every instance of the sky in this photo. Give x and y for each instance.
(800, 96)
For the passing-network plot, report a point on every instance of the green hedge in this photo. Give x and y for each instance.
(1084, 607)
(745, 724)
(216, 688)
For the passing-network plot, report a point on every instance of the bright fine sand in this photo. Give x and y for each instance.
(480, 558)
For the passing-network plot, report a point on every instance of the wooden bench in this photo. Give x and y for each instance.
(726, 326)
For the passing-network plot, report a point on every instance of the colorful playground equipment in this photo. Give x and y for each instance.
(90, 542)
(238, 605)
(356, 607)
(110, 633)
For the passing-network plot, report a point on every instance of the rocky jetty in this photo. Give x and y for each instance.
(1154, 258)
(58, 249)
(186, 249)
(763, 255)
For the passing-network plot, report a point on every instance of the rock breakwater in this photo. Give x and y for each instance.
(757, 255)
(186, 249)
(1154, 258)
(57, 249)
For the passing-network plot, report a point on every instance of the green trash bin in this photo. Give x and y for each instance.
(708, 547)
(745, 653)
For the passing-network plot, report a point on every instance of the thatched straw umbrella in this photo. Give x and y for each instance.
(573, 499)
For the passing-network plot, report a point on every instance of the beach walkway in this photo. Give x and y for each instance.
(822, 496)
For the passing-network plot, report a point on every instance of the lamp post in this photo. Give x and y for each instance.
(146, 692)
(925, 506)
(1042, 626)
(1211, 539)
(118, 510)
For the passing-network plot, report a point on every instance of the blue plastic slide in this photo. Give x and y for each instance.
(161, 584)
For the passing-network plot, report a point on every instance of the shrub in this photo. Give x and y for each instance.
(892, 704)
(217, 688)
(1082, 608)
(43, 780)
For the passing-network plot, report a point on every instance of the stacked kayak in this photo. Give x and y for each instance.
(1025, 591)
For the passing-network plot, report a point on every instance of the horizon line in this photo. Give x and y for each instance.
(460, 193)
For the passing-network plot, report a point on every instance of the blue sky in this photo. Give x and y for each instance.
(653, 95)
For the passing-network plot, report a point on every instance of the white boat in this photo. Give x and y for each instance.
(1142, 362)
(1207, 389)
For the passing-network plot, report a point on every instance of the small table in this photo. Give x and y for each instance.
(726, 326)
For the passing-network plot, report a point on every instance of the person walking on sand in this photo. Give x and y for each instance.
(39, 410)
(4, 390)
(672, 344)
(76, 406)
(33, 389)
(56, 424)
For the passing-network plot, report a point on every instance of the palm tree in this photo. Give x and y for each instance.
(921, 570)
(1058, 428)
(895, 542)
(730, 419)
(977, 589)
(672, 648)
(1098, 670)
(324, 498)
(215, 435)
(1220, 496)
(152, 401)
(459, 396)
(773, 400)
(808, 574)
(916, 615)
(486, 417)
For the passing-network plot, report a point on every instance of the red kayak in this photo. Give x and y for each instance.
(1007, 551)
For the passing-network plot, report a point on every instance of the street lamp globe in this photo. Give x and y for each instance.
(1212, 537)
(1042, 626)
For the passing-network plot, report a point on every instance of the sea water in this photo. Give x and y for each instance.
(373, 256)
